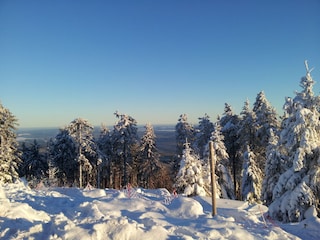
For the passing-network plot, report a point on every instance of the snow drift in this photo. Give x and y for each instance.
(71, 213)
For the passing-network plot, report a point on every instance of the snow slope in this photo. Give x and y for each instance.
(71, 213)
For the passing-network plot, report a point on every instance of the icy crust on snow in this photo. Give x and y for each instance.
(71, 213)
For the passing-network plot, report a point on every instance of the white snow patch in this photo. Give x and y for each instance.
(71, 213)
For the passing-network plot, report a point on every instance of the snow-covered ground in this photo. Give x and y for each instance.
(71, 213)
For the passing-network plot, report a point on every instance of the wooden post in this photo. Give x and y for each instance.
(80, 155)
(213, 178)
(80, 172)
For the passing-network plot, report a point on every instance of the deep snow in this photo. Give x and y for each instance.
(71, 213)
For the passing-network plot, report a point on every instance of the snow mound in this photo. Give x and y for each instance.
(2, 194)
(73, 213)
(26, 212)
(310, 213)
(94, 193)
(310, 227)
(185, 208)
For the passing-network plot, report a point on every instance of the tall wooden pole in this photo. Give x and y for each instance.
(80, 156)
(213, 178)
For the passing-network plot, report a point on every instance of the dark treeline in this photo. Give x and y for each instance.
(260, 156)
(74, 157)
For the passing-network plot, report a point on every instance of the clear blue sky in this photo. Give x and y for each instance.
(153, 60)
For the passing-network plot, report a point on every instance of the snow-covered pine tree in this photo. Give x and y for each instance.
(63, 158)
(247, 137)
(24, 150)
(52, 180)
(272, 169)
(9, 154)
(202, 134)
(230, 128)
(149, 159)
(104, 141)
(104, 144)
(247, 129)
(34, 164)
(251, 178)
(184, 132)
(124, 141)
(224, 180)
(298, 187)
(82, 133)
(253, 146)
(189, 179)
(266, 119)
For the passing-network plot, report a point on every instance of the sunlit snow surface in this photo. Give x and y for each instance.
(71, 213)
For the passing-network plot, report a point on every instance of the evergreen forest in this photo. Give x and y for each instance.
(260, 157)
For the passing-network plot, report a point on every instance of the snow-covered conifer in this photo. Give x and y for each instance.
(266, 119)
(104, 144)
(9, 154)
(272, 168)
(224, 180)
(149, 159)
(230, 124)
(104, 141)
(34, 164)
(63, 157)
(298, 186)
(189, 179)
(251, 178)
(266, 123)
(247, 127)
(82, 133)
(247, 137)
(202, 134)
(184, 132)
(124, 140)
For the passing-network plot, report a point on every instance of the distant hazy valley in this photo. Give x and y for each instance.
(165, 137)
